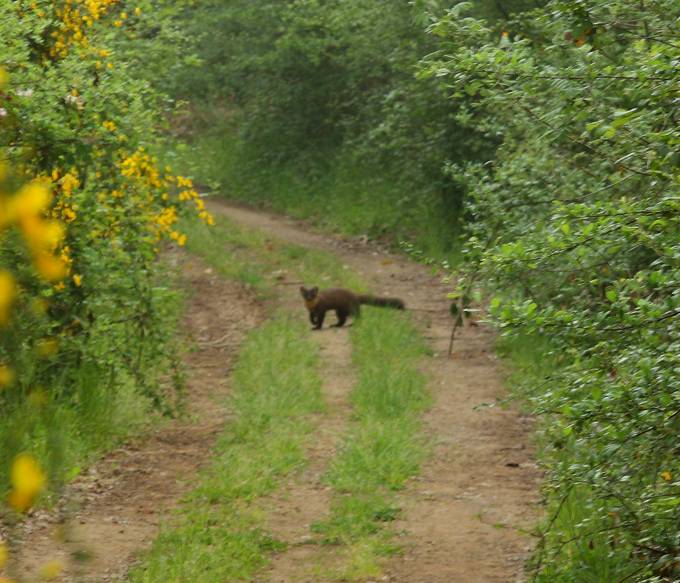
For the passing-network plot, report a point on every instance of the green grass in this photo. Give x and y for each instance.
(218, 534)
(342, 196)
(67, 435)
(383, 449)
(99, 398)
(255, 259)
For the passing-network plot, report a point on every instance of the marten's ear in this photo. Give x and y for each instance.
(303, 290)
(315, 291)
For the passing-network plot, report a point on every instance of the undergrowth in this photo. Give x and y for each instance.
(345, 196)
(102, 395)
(570, 522)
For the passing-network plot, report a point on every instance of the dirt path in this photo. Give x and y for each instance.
(306, 499)
(463, 515)
(121, 500)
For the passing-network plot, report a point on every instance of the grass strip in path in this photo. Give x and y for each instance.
(258, 260)
(217, 535)
(383, 450)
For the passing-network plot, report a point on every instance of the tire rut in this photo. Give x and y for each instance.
(119, 503)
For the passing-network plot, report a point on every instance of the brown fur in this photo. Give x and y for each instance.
(344, 302)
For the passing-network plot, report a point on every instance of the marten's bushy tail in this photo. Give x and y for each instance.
(382, 302)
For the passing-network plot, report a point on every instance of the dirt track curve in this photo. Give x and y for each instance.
(463, 515)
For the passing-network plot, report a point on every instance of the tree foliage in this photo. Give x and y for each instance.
(575, 221)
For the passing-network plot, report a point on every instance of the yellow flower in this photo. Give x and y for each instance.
(31, 200)
(68, 214)
(3, 555)
(7, 294)
(6, 378)
(667, 476)
(138, 11)
(117, 23)
(46, 347)
(51, 570)
(78, 279)
(70, 182)
(109, 125)
(49, 267)
(42, 236)
(27, 480)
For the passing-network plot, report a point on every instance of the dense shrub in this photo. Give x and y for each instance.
(576, 224)
(324, 113)
(86, 326)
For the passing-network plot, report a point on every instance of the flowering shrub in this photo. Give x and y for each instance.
(86, 327)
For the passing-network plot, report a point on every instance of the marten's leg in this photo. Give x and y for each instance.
(319, 319)
(342, 318)
(312, 318)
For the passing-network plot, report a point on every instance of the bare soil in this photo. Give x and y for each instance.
(120, 502)
(463, 516)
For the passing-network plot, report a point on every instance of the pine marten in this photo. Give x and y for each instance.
(344, 302)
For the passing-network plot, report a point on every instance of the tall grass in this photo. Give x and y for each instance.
(102, 396)
(338, 193)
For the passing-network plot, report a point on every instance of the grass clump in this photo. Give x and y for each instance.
(218, 534)
(384, 448)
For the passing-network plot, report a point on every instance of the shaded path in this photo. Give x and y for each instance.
(461, 514)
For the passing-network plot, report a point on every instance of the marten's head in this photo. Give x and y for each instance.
(310, 296)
